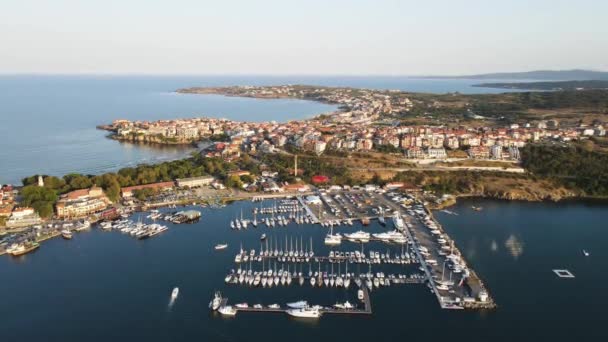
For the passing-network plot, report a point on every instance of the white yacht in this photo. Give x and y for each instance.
(227, 310)
(216, 302)
(344, 306)
(174, 293)
(398, 221)
(358, 236)
(298, 305)
(307, 312)
(221, 246)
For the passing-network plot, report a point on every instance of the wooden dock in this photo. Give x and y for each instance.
(367, 307)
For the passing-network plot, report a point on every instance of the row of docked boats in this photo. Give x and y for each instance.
(334, 239)
(273, 221)
(299, 309)
(274, 276)
(287, 252)
(138, 230)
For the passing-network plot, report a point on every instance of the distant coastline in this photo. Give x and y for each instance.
(548, 86)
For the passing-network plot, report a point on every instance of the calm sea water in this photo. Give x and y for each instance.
(104, 286)
(48, 122)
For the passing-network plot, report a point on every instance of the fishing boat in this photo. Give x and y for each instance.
(308, 312)
(66, 234)
(174, 293)
(24, 248)
(221, 246)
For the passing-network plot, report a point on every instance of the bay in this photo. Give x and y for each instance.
(108, 286)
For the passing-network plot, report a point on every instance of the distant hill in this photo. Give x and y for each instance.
(553, 85)
(546, 75)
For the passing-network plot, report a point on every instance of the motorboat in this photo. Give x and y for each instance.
(221, 246)
(174, 293)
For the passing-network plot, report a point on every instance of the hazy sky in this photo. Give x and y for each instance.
(301, 37)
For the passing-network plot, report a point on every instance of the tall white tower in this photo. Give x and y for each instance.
(40, 181)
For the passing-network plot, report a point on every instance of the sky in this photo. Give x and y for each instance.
(308, 37)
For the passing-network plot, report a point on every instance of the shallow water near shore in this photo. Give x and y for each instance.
(107, 285)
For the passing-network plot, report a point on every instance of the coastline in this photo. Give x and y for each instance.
(574, 199)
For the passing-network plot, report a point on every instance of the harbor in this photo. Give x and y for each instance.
(360, 238)
(414, 248)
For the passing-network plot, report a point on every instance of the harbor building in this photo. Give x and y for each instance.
(79, 203)
(128, 191)
(22, 217)
(194, 182)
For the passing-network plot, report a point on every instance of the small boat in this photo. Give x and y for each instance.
(242, 306)
(585, 253)
(174, 293)
(221, 246)
(66, 234)
(344, 306)
(476, 208)
(274, 306)
(360, 295)
(263, 237)
(227, 310)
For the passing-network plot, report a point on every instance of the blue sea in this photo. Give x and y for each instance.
(48, 122)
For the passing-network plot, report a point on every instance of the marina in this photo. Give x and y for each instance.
(413, 241)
